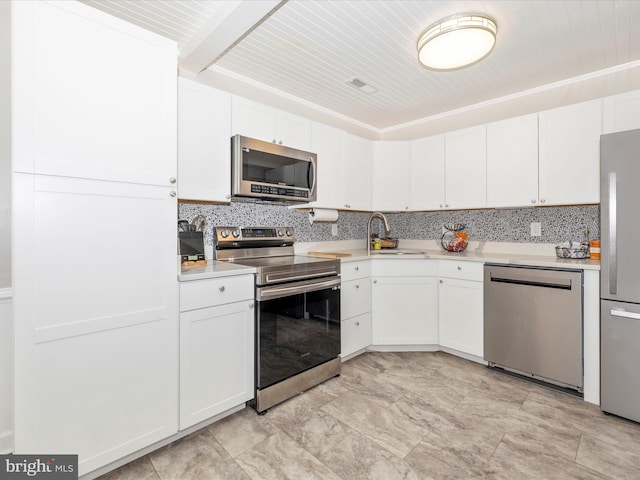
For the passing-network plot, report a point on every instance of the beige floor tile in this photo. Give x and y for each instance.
(281, 458)
(141, 469)
(608, 459)
(242, 431)
(311, 428)
(392, 430)
(358, 458)
(196, 457)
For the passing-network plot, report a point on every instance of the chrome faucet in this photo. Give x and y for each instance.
(387, 228)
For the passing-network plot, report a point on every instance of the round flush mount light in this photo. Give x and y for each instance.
(457, 41)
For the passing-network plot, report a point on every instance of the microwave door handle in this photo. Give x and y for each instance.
(312, 168)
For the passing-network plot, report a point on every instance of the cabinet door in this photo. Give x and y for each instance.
(390, 174)
(326, 142)
(355, 297)
(216, 360)
(427, 173)
(292, 130)
(96, 320)
(204, 149)
(512, 162)
(466, 168)
(621, 112)
(93, 96)
(252, 119)
(570, 154)
(461, 315)
(404, 311)
(356, 173)
(355, 334)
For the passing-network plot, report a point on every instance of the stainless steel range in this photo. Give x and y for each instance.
(297, 311)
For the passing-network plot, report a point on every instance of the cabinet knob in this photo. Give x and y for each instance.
(172, 193)
(251, 305)
(441, 281)
(280, 142)
(357, 268)
(172, 180)
(357, 285)
(542, 200)
(228, 196)
(407, 207)
(442, 205)
(533, 200)
(446, 205)
(346, 205)
(459, 267)
(375, 281)
(357, 324)
(221, 288)
(274, 141)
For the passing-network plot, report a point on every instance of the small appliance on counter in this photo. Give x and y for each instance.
(454, 238)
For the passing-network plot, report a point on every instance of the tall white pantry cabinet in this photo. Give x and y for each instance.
(94, 239)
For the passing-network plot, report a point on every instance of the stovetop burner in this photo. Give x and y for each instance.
(270, 250)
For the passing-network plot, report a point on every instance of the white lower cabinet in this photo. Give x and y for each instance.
(404, 302)
(216, 346)
(355, 307)
(460, 299)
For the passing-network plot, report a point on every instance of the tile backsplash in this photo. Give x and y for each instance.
(559, 224)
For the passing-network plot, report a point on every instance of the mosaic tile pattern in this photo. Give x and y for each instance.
(559, 224)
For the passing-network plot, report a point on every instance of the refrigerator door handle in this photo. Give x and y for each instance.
(621, 313)
(613, 260)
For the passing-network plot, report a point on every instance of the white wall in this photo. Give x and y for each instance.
(5, 145)
(6, 371)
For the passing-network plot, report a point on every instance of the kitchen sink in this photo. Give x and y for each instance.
(394, 251)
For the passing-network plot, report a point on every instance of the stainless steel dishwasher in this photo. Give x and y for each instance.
(533, 323)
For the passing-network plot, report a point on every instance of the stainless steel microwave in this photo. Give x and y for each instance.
(269, 171)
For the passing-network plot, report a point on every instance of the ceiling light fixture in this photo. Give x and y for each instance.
(457, 41)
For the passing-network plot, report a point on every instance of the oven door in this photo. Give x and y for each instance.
(297, 328)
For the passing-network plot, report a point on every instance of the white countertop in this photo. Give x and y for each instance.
(213, 269)
(539, 255)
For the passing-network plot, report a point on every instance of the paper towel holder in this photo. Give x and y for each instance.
(322, 215)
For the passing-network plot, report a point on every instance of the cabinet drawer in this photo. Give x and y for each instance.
(355, 297)
(413, 267)
(215, 291)
(351, 270)
(463, 270)
(355, 334)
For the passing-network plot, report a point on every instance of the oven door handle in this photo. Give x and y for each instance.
(269, 293)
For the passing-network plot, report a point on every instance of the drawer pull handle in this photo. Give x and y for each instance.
(221, 288)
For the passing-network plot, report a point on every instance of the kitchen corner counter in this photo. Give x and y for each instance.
(537, 256)
(213, 269)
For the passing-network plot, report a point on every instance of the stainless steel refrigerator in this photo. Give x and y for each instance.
(620, 274)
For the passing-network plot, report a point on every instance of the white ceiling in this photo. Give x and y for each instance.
(298, 54)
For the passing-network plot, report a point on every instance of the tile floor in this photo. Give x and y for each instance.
(407, 416)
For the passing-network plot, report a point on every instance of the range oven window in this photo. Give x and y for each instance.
(296, 332)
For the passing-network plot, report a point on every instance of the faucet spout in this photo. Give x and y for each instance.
(387, 228)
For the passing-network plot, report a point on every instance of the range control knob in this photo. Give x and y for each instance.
(224, 233)
(235, 233)
(289, 233)
(280, 233)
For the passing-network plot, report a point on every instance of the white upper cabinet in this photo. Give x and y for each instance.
(621, 112)
(390, 177)
(356, 172)
(570, 154)
(204, 148)
(262, 122)
(326, 142)
(466, 168)
(92, 101)
(512, 162)
(426, 181)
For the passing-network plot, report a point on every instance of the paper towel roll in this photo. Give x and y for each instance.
(322, 215)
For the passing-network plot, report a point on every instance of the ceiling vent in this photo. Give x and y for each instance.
(362, 86)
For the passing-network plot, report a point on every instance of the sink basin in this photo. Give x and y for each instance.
(393, 251)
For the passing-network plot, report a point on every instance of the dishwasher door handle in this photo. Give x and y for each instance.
(563, 284)
(621, 313)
